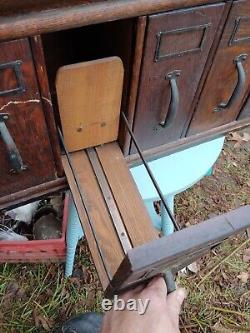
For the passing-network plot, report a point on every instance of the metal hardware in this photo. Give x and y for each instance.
(83, 202)
(16, 66)
(175, 99)
(168, 275)
(234, 40)
(170, 281)
(176, 225)
(239, 86)
(14, 155)
(161, 34)
(109, 200)
(169, 278)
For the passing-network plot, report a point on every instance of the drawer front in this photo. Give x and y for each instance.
(22, 122)
(245, 112)
(228, 82)
(176, 50)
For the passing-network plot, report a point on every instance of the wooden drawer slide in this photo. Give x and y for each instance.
(125, 248)
(109, 205)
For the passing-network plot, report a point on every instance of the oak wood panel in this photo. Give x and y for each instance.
(223, 76)
(109, 200)
(94, 250)
(209, 62)
(39, 61)
(97, 211)
(34, 17)
(176, 41)
(89, 99)
(137, 221)
(22, 7)
(97, 41)
(178, 250)
(26, 123)
(245, 112)
(124, 137)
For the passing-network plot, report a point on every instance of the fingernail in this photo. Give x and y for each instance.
(181, 294)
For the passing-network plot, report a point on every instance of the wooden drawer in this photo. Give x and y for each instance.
(228, 82)
(176, 49)
(245, 112)
(25, 124)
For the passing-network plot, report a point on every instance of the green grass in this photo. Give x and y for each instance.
(35, 298)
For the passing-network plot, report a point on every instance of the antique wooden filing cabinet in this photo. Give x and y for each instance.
(176, 50)
(21, 103)
(227, 84)
(187, 77)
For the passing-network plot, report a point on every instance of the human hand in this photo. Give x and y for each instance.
(162, 314)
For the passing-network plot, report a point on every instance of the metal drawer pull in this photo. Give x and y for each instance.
(16, 66)
(239, 86)
(14, 155)
(175, 99)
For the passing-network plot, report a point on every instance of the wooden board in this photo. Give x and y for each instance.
(99, 264)
(136, 219)
(110, 217)
(89, 99)
(177, 250)
(94, 216)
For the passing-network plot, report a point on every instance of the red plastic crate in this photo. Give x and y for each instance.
(34, 251)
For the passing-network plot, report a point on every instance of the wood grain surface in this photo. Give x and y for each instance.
(23, 18)
(124, 136)
(173, 40)
(177, 250)
(223, 76)
(109, 206)
(132, 209)
(103, 274)
(26, 122)
(89, 99)
(39, 62)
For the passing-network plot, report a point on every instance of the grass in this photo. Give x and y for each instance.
(216, 295)
(35, 298)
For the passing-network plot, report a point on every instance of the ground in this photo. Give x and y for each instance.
(35, 298)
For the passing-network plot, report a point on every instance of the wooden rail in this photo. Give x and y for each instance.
(36, 18)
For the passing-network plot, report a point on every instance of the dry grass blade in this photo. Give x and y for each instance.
(230, 311)
(222, 261)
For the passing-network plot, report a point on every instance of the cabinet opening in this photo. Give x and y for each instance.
(86, 44)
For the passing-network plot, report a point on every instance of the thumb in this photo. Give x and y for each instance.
(174, 303)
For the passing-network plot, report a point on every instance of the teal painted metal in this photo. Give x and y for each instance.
(73, 235)
(174, 174)
(167, 227)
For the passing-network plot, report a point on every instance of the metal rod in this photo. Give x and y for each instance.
(109, 200)
(176, 225)
(79, 189)
(168, 277)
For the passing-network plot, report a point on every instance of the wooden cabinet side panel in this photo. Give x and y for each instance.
(39, 61)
